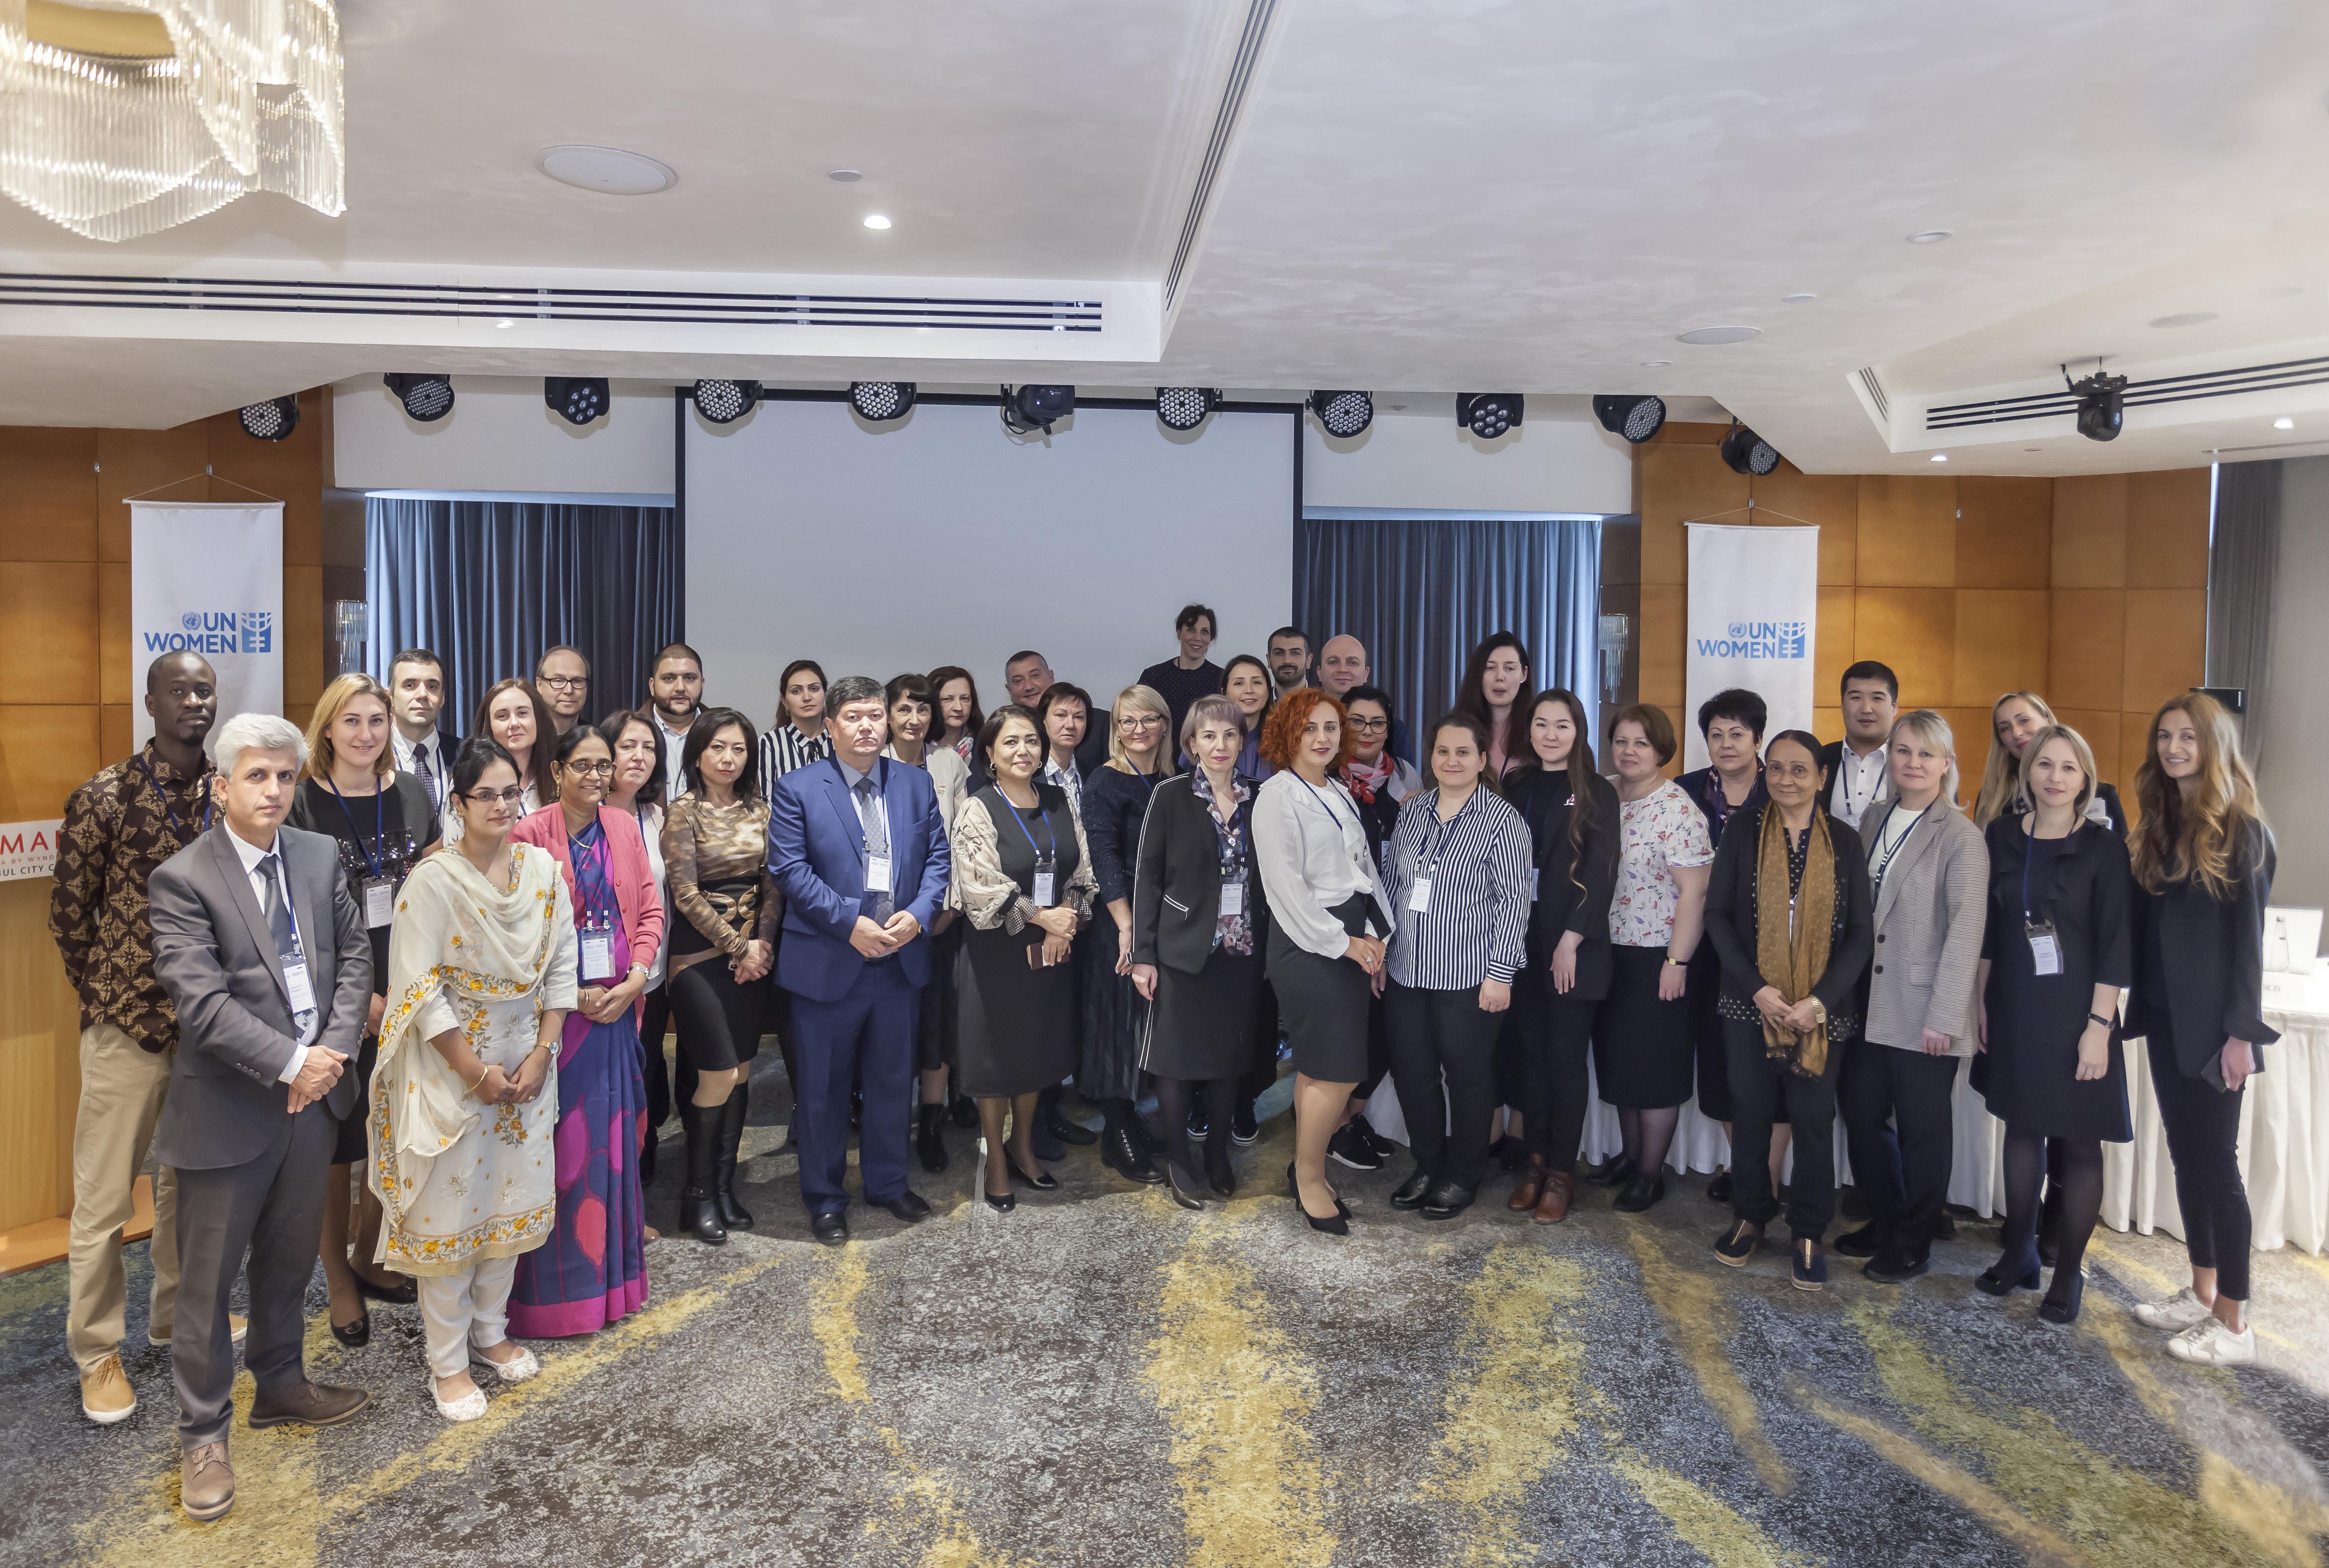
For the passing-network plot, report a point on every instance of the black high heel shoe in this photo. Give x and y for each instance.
(1040, 1181)
(1186, 1196)
(2016, 1271)
(356, 1335)
(2064, 1296)
(1294, 1191)
(1003, 1204)
(1338, 1223)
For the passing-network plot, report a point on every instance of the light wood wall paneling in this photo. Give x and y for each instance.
(1908, 532)
(2002, 643)
(2005, 532)
(2166, 528)
(2085, 656)
(2090, 531)
(1914, 631)
(52, 501)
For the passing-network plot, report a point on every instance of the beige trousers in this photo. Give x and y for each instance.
(121, 1089)
(464, 1309)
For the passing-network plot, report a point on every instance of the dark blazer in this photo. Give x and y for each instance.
(2211, 989)
(817, 853)
(1176, 885)
(214, 954)
(1572, 890)
(1704, 788)
(1730, 911)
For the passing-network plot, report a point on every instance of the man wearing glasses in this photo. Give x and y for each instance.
(562, 676)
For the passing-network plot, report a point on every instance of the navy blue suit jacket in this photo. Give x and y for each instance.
(817, 853)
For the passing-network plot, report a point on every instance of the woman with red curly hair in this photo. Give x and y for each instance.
(1327, 930)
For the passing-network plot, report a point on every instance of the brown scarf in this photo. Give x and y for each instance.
(1794, 960)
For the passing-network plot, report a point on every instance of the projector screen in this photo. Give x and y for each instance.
(944, 540)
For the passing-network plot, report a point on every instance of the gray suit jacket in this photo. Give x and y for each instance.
(1929, 914)
(214, 956)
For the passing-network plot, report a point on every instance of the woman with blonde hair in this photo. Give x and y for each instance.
(1140, 747)
(2013, 719)
(382, 822)
(2203, 869)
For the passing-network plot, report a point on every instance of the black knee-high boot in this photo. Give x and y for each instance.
(927, 1141)
(732, 1214)
(698, 1200)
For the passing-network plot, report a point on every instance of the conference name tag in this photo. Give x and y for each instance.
(1232, 900)
(2045, 947)
(1536, 879)
(297, 989)
(1418, 895)
(877, 873)
(598, 955)
(379, 902)
(1044, 883)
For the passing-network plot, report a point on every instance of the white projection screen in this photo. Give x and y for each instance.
(944, 540)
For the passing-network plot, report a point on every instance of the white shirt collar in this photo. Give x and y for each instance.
(251, 855)
(850, 772)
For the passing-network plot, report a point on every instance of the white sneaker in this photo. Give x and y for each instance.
(2208, 1343)
(469, 1407)
(2180, 1312)
(517, 1369)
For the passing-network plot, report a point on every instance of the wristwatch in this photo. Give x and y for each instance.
(2098, 1017)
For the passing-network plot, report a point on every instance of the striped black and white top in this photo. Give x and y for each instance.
(785, 748)
(1478, 861)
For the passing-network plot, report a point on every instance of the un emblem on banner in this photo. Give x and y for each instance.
(1758, 640)
(257, 631)
(191, 621)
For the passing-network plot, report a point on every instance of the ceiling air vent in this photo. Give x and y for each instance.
(1875, 391)
(1217, 145)
(2186, 389)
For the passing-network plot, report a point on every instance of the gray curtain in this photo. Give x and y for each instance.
(1420, 592)
(2243, 561)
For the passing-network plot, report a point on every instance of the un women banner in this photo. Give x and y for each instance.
(207, 578)
(1754, 611)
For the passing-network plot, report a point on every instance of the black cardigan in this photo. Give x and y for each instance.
(2212, 991)
(1543, 800)
(1730, 911)
(1177, 882)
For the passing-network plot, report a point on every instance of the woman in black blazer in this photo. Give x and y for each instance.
(2203, 867)
(1199, 921)
(1571, 812)
(1790, 983)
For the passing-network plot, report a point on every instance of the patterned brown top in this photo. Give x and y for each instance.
(119, 827)
(707, 851)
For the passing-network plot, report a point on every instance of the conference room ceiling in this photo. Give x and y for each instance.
(1446, 196)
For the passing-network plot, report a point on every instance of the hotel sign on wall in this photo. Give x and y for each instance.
(28, 850)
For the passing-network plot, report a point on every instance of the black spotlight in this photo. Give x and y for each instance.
(882, 401)
(1028, 409)
(1488, 415)
(2102, 404)
(1343, 413)
(1185, 408)
(725, 402)
(426, 398)
(579, 399)
(270, 421)
(1636, 419)
(1746, 453)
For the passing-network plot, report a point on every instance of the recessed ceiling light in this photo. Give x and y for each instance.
(1930, 236)
(607, 170)
(1797, 298)
(1940, 457)
(2283, 423)
(2189, 318)
(846, 176)
(1655, 364)
(1706, 336)
(505, 322)
(875, 220)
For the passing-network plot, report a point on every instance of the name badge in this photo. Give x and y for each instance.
(1536, 877)
(1044, 888)
(379, 902)
(2045, 947)
(297, 989)
(1418, 895)
(598, 955)
(877, 873)
(1232, 900)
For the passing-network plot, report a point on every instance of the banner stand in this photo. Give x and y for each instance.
(1752, 621)
(206, 578)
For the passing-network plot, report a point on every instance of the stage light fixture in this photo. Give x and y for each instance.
(1026, 409)
(2102, 404)
(426, 398)
(1745, 452)
(725, 402)
(1636, 419)
(1488, 415)
(1344, 414)
(1185, 408)
(579, 399)
(273, 420)
(882, 401)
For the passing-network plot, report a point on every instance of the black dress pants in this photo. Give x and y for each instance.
(655, 1022)
(1437, 1035)
(2203, 1124)
(1557, 1040)
(1762, 1092)
(1896, 1118)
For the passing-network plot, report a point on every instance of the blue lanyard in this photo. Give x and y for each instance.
(177, 827)
(1323, 801)
(2029, 847)
(376, 852)
(1049, 831)
(589, 855)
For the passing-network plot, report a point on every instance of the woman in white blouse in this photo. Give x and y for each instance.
(1327, 929)
(1643, 1059)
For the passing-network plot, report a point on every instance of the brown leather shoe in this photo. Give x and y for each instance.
(106, 1395)
(1560, 1187)
(308, 1405)
(205, 1481)
(1529, 1187)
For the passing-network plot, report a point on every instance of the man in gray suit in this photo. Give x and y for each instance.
(260, 944)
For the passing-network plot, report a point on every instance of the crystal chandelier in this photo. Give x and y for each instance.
(121, 117)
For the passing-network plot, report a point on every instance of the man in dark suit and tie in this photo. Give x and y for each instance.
(260, 944)
(857, 844)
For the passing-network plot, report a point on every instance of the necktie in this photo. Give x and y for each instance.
(279, 922)
(877, 846)
(427, 775)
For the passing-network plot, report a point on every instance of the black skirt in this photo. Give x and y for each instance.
(935, 1046)
(1643, 1051)
(348, 1145)
(1114, 1017)
(719, 1016)
(1323, 1003)
(1017, 1024)
(1206, 1025)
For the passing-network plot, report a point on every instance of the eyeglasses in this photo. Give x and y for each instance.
(588, 768)
(508, 797)
(1138, 721)
(1369, 725)
(565, 682)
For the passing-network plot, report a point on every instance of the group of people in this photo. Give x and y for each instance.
(453, 963)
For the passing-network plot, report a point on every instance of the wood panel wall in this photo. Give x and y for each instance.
(2092, 592)
(67, 686)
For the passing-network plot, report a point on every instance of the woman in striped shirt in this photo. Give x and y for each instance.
(1456, 868)
(798, 736)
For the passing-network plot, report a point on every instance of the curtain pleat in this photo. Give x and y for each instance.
(2243, 560)
(488, 585)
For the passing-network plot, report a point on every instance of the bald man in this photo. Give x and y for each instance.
(1343, 664)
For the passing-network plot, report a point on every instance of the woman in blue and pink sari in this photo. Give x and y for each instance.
(591, 1272)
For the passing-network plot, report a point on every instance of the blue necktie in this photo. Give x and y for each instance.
(877, 847)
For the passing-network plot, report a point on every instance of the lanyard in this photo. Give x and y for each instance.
(375, 853)
(1323, 801)
(2029, 845)
(177, 827)
(879, 778)
(1897, 844)
(1049, 831)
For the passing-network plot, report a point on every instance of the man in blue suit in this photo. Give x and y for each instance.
(858, 845)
